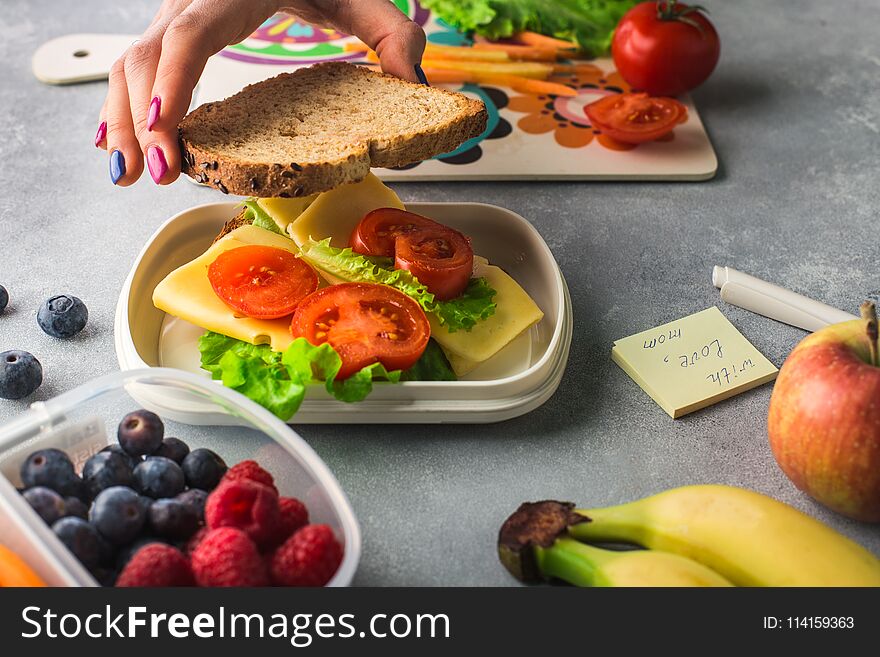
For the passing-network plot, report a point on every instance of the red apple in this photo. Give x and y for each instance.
(824, 420)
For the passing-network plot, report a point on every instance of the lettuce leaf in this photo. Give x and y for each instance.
(432, 366)
(268, 384)
(278, 381)
(464, 312)
(474, 304)
(590, 23)
(213, 346)
(351, 266)
(259, 217)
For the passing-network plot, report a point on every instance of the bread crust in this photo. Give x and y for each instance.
(239, 220)
(292, 179)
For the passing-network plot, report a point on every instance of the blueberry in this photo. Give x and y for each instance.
(48, 504)
(73, 506)
(118, 514)
(4, 298)
(53, 469)
(20, 374)
(106, 469)
(132, 461)
(173, 519)
(81, 538)
(174, 449)
(203, 469)
(140, 432)
(194, 498)
(62, 316)
(159, 477)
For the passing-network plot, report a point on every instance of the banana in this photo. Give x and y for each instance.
(533, 544)
(585, 565)
(749, 538)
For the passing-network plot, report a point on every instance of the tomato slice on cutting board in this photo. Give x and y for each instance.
(635, 118)
(365, 323)
(441, 258)
(376, 232)
(262, 282)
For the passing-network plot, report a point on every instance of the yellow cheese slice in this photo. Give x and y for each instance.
(187, 293)
(459, 364)
(285, 210)
(336, 213)
(514, 313)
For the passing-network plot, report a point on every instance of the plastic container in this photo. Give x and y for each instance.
(517, 380)
(84, 420)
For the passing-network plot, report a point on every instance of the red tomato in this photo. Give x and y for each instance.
(635, 118)
(441, 258)
(376, 232)
(365, 323)
(261, 281)
(665, 48)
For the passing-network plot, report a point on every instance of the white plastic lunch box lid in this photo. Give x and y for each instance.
(505, 391)
(69, 422)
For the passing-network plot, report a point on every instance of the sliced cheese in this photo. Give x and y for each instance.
(187, 293)
(336, 213)
(514, 313)
(284, 211)
(515, 357)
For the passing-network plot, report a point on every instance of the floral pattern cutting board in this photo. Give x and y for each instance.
(528, 137)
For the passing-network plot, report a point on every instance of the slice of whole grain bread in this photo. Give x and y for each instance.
(239, 220)
(315, 128)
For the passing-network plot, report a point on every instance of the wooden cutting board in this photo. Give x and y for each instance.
(528, 137)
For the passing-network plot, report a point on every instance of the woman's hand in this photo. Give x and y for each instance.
(151, 85)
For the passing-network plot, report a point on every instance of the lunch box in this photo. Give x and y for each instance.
(84, 420)
(521, 377)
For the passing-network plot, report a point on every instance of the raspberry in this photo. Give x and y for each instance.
(195, 540)
(308, 558)
(246, 505)
(250, 470)
(227, 557)
(294, 515)
(157, 564)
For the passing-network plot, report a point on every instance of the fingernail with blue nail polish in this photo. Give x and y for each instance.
(420, 74)
(117, 166)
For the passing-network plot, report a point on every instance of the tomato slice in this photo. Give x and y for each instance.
(376, 232)
(262, 282)
(365, 323)
(634, 118)
(442, 259)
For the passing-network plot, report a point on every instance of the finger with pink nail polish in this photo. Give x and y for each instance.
(153, 113)
(156, 163)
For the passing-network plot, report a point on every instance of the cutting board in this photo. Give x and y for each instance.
(528, 137)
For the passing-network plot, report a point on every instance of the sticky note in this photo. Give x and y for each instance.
(693, 362)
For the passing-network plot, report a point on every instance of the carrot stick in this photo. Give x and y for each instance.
(434, 51)
(522, 53)
(515, 82)
(574, 68)
(536, 70)
(543, 41)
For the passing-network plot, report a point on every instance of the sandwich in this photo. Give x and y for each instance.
(324, 277)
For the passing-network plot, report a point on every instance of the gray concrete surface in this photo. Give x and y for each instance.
(793, 113)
